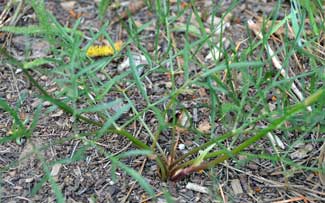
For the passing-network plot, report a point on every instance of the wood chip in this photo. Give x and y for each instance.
(205, 126)
(197, 188)
(26, 153)
(236, 186)
(302, 152)
(195, 115)
(57, 114)
(56, 169)
(29, 180)
(275, 140)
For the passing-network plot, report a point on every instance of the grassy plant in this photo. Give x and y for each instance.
(82, 94)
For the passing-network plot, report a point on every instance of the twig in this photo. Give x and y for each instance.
(278, 184)
(149, 198)
(293, 200)
(222, 194)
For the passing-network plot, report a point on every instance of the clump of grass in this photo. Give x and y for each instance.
(84, 94)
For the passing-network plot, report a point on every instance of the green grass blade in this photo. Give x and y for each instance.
(110, 121)
(136, 77)
(134, 174)
(26, 30)
(5, 106)
(99, 107)
(102, 7)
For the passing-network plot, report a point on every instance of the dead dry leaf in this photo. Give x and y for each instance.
(68, 5)
(38, 47)
(216, 53)
(133, 7)
(236, 186)
(205, 127)
(138, 60)
(302, 152)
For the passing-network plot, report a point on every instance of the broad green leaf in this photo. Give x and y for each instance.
(134, 153)
(191, 29)
(100, 107)
(36, 63)
(202, 154)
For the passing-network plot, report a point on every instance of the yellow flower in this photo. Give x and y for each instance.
(95, 51)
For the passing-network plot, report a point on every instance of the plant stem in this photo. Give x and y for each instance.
(275, 124)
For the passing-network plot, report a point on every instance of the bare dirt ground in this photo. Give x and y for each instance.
(89, 179)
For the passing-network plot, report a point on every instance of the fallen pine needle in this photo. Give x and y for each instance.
(295, 199)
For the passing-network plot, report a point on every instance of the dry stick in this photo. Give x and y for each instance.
(278, 184)
(276, 61)
(222, 194)
(149, 198)
(295, 199)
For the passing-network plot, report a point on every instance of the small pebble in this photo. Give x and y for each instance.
(181, 146)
